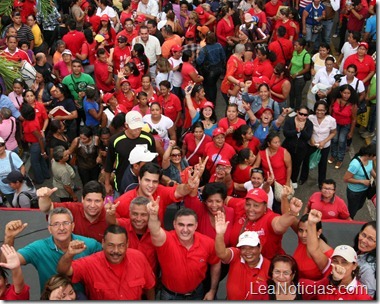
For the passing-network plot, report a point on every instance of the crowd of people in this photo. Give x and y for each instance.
(123, 96)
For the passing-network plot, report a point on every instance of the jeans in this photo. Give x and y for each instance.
(311, 37)
(339, 142)
(295, 96)
(38, 164)
(322, 166)
(209, 83)
(198, 294)
(327, 29)
(355, 201)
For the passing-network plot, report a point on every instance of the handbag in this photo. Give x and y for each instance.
(317, 28)
(362, 108)
(307, 75)
(315, 158)
(277, 186)
(371, 191)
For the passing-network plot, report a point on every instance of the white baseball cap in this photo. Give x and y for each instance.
(248, 238)
(141, 154)
(134, 120)
(346, 252)
(67, 52)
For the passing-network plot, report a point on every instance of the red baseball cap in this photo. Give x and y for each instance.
(365, 44)
(249, 68)
(223, 162)
(207, 104)
(176, 48)
(107, 97)
(258, 195)
(104, 18)
(140, 18)
(260, 80)
(200, 10)
(218, 131)
(268, 109)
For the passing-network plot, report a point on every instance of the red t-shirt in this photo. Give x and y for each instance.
(223, 30)
(74, 41)
(270, 242)
(17, 56)
(225, 124)
(263, 68)
(204, 222)
(11, 295)
(142, 244)
(354, 24)
(276, 86)
(270, 9)
(105, 281)
(226, 153)
(125, 15)
(29, 127)
(101, 75)
(288, 25)
(166, 194)
(278, 165)
(187, 69)
(120, 55)
(171, 107)
(184, 269)
(307, 268)
(364, 67)
(129, 35)
(240, 176)
(248, 279)
(90, 51)
(253, 145)
(189, 139)
(334, 210)
(287, 50)
(235, 68)
(262, 17)
(134, 81)
(83, 226)
(125, 102)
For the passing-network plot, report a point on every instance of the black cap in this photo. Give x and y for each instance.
(13, 177)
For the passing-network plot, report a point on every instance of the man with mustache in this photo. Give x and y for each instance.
(116, 273)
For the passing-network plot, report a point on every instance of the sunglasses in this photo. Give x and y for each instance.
(303, 114)
(256, 170)
(175, 155)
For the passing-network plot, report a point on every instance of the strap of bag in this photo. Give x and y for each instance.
(13, 124)
(357, 84)
(269, 164)
(213, 163)
(282, 50)
(11, 161)
(196, 148)
(365, 172)
(27, 195)
(75, 84)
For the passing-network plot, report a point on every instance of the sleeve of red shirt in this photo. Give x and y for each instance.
(10, 293)
(223, 123)
(212, 258)
(347, 62)
(85, 49)
(194, 203)
(220, 33)
(177, 103)
(343, 210)
(79, 269)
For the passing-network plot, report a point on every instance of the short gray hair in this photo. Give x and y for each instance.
(6, 112)
(58, 152)
(139, 201)
(60, 210)
(239, 48)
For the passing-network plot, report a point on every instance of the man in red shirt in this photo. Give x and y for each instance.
(184, 256)
(327, 202)
(149, 177)
(116, 273)
(89, 216)
(129, 32)
(247, 265)
(136, 227)
(13, 53)
(282, 47)
(205, 18)
(103, 72)
(357, 14)
(73, 39)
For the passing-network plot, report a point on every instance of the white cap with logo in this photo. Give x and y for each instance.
(134, 120)
(346, 252)
(248, 238)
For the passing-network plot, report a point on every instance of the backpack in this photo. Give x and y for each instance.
(33, 200)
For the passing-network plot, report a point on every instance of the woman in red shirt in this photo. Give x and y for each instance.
(194, 142)
(243, 138)
(279, 85)
(131, 72)
(32, 135)
(343, 109)
(241, 171)
(146, 87)
(262, 64)
(189, 73)
(225, 27)
(309, 266)
(41, 114)
(286, 23)
(106, 30)
(231, 122)
(257, 10)
(125, 96)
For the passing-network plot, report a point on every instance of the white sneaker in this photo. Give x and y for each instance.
(295, 185)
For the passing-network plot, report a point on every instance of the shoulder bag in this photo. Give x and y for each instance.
(371, 191)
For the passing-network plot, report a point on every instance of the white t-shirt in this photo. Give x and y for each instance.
(161, 127)
(164, 76)
(150, 9)
(152, 47)
(346, 50)
(248, 186)
(177, 76)
(322, 131)
(109, 11)
(353, 84)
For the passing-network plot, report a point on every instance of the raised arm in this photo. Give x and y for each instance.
(222, 251)
(281, 223)
(13, 263)
(44, 201)
(157, 234)
(64, 264)
(13, 229)
(111, 213)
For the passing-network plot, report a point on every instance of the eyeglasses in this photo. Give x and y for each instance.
(219, 168)
(369, 239)
(303, 114)
(279, 273)
(176, 155)
(58, 224)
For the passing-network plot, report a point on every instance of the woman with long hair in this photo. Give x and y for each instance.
(231, 122)
(131, 72)
(164, 72)
(32, 135)
(107, 31)
(242, 164)
(78, 14)
(365, 247)
(88, 52)
(358, 178)
(191, 23)
(140, 59)
(189, 73)
(262, 64)
(225, 28)
(243, 138)
(194, 100)
(194, 142)
(343, 109)
(41, 114)
(297, 131)
(41, 89)
(56, 136)
(280, 85)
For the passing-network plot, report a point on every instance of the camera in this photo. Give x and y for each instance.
(338, 77)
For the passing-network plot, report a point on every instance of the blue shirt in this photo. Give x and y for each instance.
(6, 168)
(313, 13)
(207, 131)
(87, 106)
(5, 102)
(356, 169)
(370, 27)
(44, 256)
(260, 132)
(256, 104)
